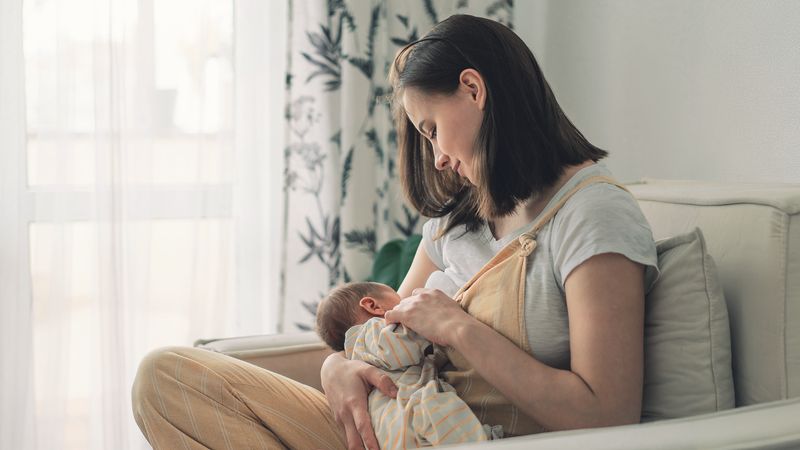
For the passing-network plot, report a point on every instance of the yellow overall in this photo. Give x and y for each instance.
(496, 297)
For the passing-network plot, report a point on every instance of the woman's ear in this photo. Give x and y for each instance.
(472, 81)
(371, 306)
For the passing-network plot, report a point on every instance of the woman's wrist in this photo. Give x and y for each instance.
(458, 331)
(330, 360)
(333, 357)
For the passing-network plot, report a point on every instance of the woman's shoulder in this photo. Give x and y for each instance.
(601, 212)
(601, 218)
(601, 205)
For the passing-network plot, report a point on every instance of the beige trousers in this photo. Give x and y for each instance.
(188, 398)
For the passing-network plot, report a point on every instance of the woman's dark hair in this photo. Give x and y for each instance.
(525, 141)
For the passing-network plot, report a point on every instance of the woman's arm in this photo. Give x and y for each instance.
(347, 383)
(421, 268)
(605, 302)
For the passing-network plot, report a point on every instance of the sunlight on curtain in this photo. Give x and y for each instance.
(147, 192)
(16, 400)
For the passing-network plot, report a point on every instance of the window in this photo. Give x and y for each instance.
(130, 176)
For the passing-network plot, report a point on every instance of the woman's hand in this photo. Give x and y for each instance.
(346, 384)
(431, 314)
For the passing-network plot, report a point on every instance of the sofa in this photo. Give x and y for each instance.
(752, 231)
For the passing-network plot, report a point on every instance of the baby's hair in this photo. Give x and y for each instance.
(339, 311)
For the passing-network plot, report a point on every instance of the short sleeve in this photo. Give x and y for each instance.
(601, 218)
(433, 248)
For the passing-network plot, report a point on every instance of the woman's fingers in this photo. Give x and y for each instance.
(350, 406)
(358, 425)
(351, 432)
(382, 382)
(360, 410)
(392, 316)
(363, 424)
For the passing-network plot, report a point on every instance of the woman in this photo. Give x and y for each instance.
(486, 147)
(486, 150)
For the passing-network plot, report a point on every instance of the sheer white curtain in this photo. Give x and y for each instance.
(140, 167)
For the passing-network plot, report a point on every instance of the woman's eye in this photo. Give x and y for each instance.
(433, 133)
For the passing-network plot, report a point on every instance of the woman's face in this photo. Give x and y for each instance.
(450, 122)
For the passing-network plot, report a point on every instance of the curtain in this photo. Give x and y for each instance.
(15, 312)
(342, 194)
(140, 174)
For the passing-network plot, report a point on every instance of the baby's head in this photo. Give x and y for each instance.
(352, 304)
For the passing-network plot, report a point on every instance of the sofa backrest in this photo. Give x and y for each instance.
(753, 234)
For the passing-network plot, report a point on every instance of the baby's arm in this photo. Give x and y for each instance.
(389, 347)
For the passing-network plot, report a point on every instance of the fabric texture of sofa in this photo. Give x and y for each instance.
(752, 231)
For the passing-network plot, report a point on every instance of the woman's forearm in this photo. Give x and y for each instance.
(556, 399)
(325, 370)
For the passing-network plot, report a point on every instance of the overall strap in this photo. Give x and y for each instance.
(557, 207)
(526, 242)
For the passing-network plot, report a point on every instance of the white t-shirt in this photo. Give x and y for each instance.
(601, 218)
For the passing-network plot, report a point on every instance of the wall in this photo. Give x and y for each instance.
(685, 89)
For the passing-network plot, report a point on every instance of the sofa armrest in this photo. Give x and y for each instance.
(767, 425)
(298, 356)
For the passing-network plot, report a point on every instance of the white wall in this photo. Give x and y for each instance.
(686, 89)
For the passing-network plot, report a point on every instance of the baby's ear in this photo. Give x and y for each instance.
(370, 305)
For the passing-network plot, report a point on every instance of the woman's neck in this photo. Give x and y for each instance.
(528, 210)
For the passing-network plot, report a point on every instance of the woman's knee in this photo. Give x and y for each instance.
(155, 372)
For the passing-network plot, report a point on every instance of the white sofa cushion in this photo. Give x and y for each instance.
(687, 339)
(753, 232)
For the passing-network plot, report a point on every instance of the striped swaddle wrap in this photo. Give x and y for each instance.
(426, 411)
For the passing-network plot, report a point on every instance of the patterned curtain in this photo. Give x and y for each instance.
(342, 196)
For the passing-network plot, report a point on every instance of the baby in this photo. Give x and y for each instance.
(427, 410)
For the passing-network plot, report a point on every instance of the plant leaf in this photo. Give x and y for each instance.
(311, 307)
(373, 27)
(312, 231)
(403, 20)
(431, 11)
(400, 42)
(364, 240)
(394, 259)
(348, 164)
(387, 262)
(309, 242)
(372, 139)
(307, 256)
(364, 65)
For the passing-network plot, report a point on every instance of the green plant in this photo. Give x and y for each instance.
(393, 260)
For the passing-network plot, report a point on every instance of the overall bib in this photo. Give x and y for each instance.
(496, 297)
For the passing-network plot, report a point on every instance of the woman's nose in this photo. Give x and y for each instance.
(440, 160)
